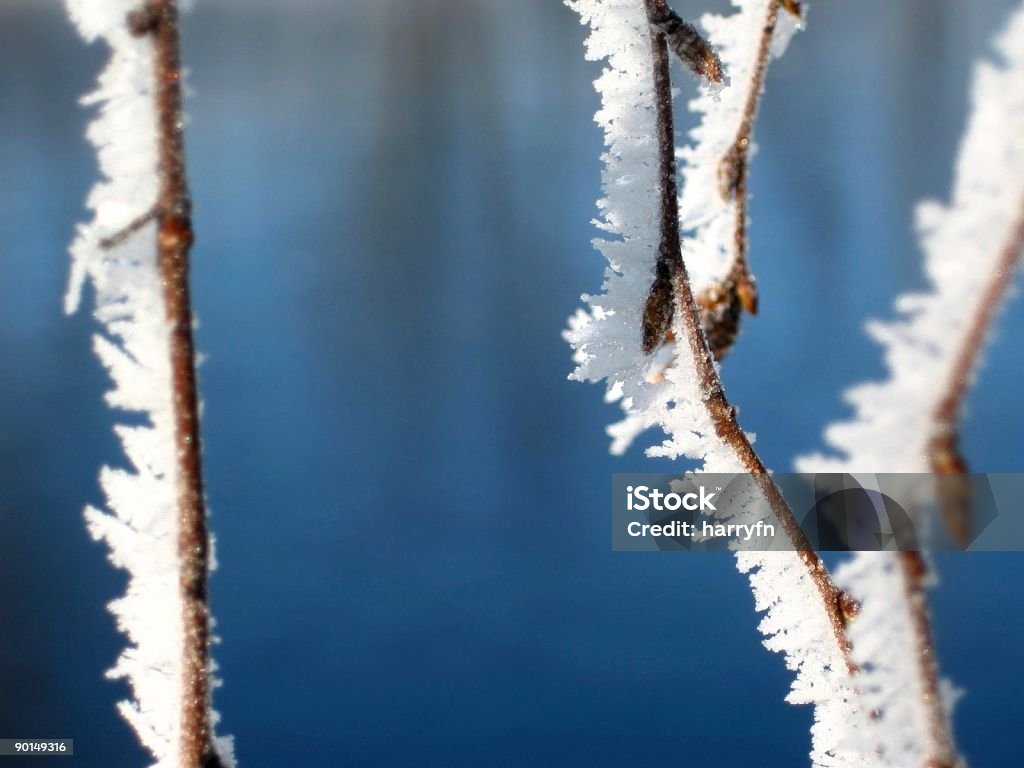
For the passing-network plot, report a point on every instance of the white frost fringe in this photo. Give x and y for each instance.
(893, 419)
(962, 242)
(795, 626)
(135, 348)
(894, 727)
(606, 335)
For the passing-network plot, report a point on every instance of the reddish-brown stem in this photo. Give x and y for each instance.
(953, 491)
(836, 604)
(159, 20)
(724, 302)
(941, 751)
(947, 415)
(732, 171)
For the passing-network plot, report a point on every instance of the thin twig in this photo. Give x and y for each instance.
(723, 303)
(128, 230)
(687, 43)
(941, 754)
(948, 413)
(159, 19)
(732, 171)
(837, 605)
(953, 488)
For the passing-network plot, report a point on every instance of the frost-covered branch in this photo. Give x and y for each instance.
(732, 289)
(941, 752)
(724, 144)
(724, 301)
(718, 411)
(903, 706)
(971, 248)
(944, 453)
(138, 262)
(712, 222)
(805, 613)
(909, 422)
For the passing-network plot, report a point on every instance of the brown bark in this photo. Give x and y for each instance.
(942, 753)
(159, 20)
(836, 604)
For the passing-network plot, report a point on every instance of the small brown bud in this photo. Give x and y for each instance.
(720, 316)
(175, 232)
(690, 46)
(944, 454)
(849, 608)
(746, 289)
(793, 6)
(952, 486)
(658, 312)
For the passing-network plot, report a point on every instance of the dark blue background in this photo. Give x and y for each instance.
(410, 500)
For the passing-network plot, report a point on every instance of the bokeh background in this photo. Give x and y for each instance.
(410, 501)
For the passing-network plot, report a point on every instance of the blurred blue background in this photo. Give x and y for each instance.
(410, 501)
